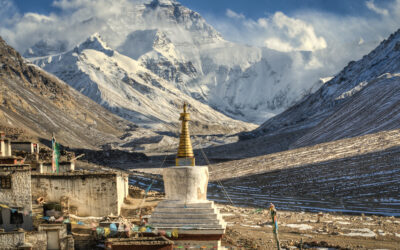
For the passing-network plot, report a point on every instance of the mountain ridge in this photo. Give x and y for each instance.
(125, 87)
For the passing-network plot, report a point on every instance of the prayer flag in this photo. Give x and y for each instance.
(56, 155)
(113, 227)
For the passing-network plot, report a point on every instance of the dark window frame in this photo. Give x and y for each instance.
(5, 182)
(16, 218)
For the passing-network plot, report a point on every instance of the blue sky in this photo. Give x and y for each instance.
(221, 13)
(253, 8)
(258, 8)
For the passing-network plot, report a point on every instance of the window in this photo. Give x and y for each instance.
(16, 218)
(5, 182)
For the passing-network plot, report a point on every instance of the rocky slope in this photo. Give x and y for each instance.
(40, 104)
(362, 98)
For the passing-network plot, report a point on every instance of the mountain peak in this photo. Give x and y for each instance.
(95, 42)
(162, 3)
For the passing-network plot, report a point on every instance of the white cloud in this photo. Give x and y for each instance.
(231, 14)
(371, 5)
(291, 34)
(76, 20)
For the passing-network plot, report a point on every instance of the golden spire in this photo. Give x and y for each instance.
(185, 155)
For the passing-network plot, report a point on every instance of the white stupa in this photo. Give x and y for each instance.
(186, 211)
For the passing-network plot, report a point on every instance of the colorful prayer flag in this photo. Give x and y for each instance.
(113, 227)
(106, 231)
(175, 233)
(56, 155)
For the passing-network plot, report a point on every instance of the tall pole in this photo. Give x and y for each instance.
(274, 218)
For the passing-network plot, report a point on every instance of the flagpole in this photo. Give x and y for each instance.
(53, 156)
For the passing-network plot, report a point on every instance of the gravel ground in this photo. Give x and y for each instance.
(250, 228)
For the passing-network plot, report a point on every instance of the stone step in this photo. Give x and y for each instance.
(187, 226)
(166, 204)
(184, 221)
(185, 210)
(158, 214)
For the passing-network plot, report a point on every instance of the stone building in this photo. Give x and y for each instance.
(84, 193)
(15, 196)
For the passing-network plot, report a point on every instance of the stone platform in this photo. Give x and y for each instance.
(187, 217)
(187, 210)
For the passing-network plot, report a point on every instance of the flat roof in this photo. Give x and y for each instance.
(11, 157)
(4, 167)
(79, 173)
(141, 241)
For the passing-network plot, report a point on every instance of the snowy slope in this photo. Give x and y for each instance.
(123, 86)
(179, 46)
(360, 99)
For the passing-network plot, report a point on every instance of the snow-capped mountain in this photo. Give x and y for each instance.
(177, 45)
(123, 86)
(363, 98)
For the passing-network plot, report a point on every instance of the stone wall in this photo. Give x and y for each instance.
(93, 194)
(38, 240)
(11, 240)
(18, 197)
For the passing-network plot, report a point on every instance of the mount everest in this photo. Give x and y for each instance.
(162, 52)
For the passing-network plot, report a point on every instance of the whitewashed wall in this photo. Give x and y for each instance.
(94, 194)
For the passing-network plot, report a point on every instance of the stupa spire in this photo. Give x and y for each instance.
(185, 155)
